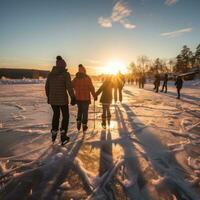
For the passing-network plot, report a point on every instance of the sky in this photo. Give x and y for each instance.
(94, 32)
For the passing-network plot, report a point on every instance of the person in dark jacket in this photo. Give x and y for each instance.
(157, 82)
(179, 85)
(164, 86)
(142, 80)
(58, 86)
(83, 87)
(119, 82)
(106, 99)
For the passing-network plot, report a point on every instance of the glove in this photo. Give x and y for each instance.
(73, 101)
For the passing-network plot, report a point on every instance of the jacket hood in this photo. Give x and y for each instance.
(80, 75)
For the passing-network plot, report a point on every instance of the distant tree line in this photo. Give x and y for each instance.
(22, 73)
(182, 63)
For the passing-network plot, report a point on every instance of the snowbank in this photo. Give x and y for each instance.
(5, 81)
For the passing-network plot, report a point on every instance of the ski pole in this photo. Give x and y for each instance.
(94, 114)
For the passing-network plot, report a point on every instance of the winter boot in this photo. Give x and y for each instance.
(85, 127)
(78, 125)
(53, 135)
(64, 138)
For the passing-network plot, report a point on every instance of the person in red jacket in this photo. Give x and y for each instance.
(83, 87)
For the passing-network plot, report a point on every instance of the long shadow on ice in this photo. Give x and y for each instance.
(43, 181)
(184, 97)
(133, 180)
(163, 162)
(106, 160)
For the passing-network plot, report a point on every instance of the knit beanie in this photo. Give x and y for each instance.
(81, 69)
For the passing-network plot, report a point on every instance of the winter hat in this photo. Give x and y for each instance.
(60, 62)
(81, 69)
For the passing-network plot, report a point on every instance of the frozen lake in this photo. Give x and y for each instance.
(151, 151)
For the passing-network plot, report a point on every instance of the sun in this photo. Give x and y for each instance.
(115, 66)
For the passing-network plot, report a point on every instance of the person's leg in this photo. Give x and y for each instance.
(65, 119)
(115, 94)
(178, 91)
(56, 117)
(55, 122)
(104, 115)
(165, 87)
(157, 88)
(85, 107)
(120, 94)
(65, 122)
(108, 114)
(79, 115)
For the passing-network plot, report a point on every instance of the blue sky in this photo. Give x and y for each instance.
(93, 32)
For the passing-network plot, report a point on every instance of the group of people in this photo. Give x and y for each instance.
(178, 84)
(140, 80)
(59, 85)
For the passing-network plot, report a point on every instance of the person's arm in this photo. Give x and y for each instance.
(47, 86)
(91, 88)
(98, 92)
(69, 86)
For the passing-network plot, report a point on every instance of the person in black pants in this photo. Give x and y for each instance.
(83, 88)
(58, 86)
(164, 87)
(106, 100)
(179, 85)
(157, 82)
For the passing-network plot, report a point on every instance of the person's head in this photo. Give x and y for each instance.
(81, 69)
(60, 62)
(58, 58)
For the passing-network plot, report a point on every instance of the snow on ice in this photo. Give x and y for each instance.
(151, 150)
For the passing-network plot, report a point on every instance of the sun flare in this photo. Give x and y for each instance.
(115, 66)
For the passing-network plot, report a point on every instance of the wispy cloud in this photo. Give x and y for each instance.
(105, 22)
(177, 33)
(170, 2)
(120, 12)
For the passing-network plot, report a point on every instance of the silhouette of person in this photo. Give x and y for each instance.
(106, 99)
(119, 82)
(164, 86)
(179, 85)
(157, 82)
(57, 88)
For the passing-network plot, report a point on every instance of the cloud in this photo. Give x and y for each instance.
(120, 12)
(126, 24)
(170, 2)
(177, 33)
(105, 22)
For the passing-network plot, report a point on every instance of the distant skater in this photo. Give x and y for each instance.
(157, 82)
(179, 85)
(83, 87)
(58, 86)
(106, 100)
(119, 82)
(164, 86)
(141, 80)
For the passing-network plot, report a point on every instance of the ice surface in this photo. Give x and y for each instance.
(151, 150)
